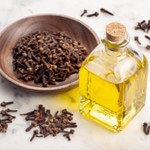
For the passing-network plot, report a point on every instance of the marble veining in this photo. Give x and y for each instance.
(88, 135)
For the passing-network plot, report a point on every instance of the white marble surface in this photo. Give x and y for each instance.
(88, 135)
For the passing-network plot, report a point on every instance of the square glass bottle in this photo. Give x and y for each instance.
(113, 81)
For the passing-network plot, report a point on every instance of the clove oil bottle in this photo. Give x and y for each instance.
(113, 81)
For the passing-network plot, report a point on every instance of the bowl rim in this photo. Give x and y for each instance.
(46, 89)
(54, 15)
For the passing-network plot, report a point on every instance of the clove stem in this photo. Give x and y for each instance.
(106, 11)
(3, 104)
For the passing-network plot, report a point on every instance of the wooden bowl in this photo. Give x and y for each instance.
(49, 22)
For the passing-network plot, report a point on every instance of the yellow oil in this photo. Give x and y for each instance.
(109, 98)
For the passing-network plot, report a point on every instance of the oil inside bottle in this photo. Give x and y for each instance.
(112, 86)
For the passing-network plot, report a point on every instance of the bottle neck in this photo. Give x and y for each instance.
(115, 49)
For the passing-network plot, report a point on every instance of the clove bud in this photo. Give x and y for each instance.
(93, 14)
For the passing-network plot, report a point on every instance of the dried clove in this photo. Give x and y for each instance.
(10, 110)
(29, 113)
(84, 12)
(144, 26)
(146, 128)
(136, 38)
(148, 47)
(47, 57)
(64, 111)
(48, 124)
(33, 124)
(35, 133)
(106, 11)
(147, 37)
(3, 127)
(67, 135)
(141, 25)
(4, 104)
(148, 26)
(145, 125)
(93, 14)
(6, 120)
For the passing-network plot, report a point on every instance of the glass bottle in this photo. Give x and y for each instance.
(113, 81)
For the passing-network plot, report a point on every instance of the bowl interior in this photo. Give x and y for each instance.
(9, 37)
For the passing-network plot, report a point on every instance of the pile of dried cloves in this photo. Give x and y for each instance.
(5, 116)
(46, 124)
(42, 121)
(47, 57)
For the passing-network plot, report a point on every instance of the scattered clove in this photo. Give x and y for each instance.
(10, 110)
(106, 11)
(136, 38)
(47, 58)
(147, 37)
(146, 128)
(145, 125)
(4, 104)
(93, 14)
(148, 26)
(148, 47)
(47, 124)
(84, 12)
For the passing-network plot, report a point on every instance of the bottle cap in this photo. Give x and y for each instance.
(115, 32)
